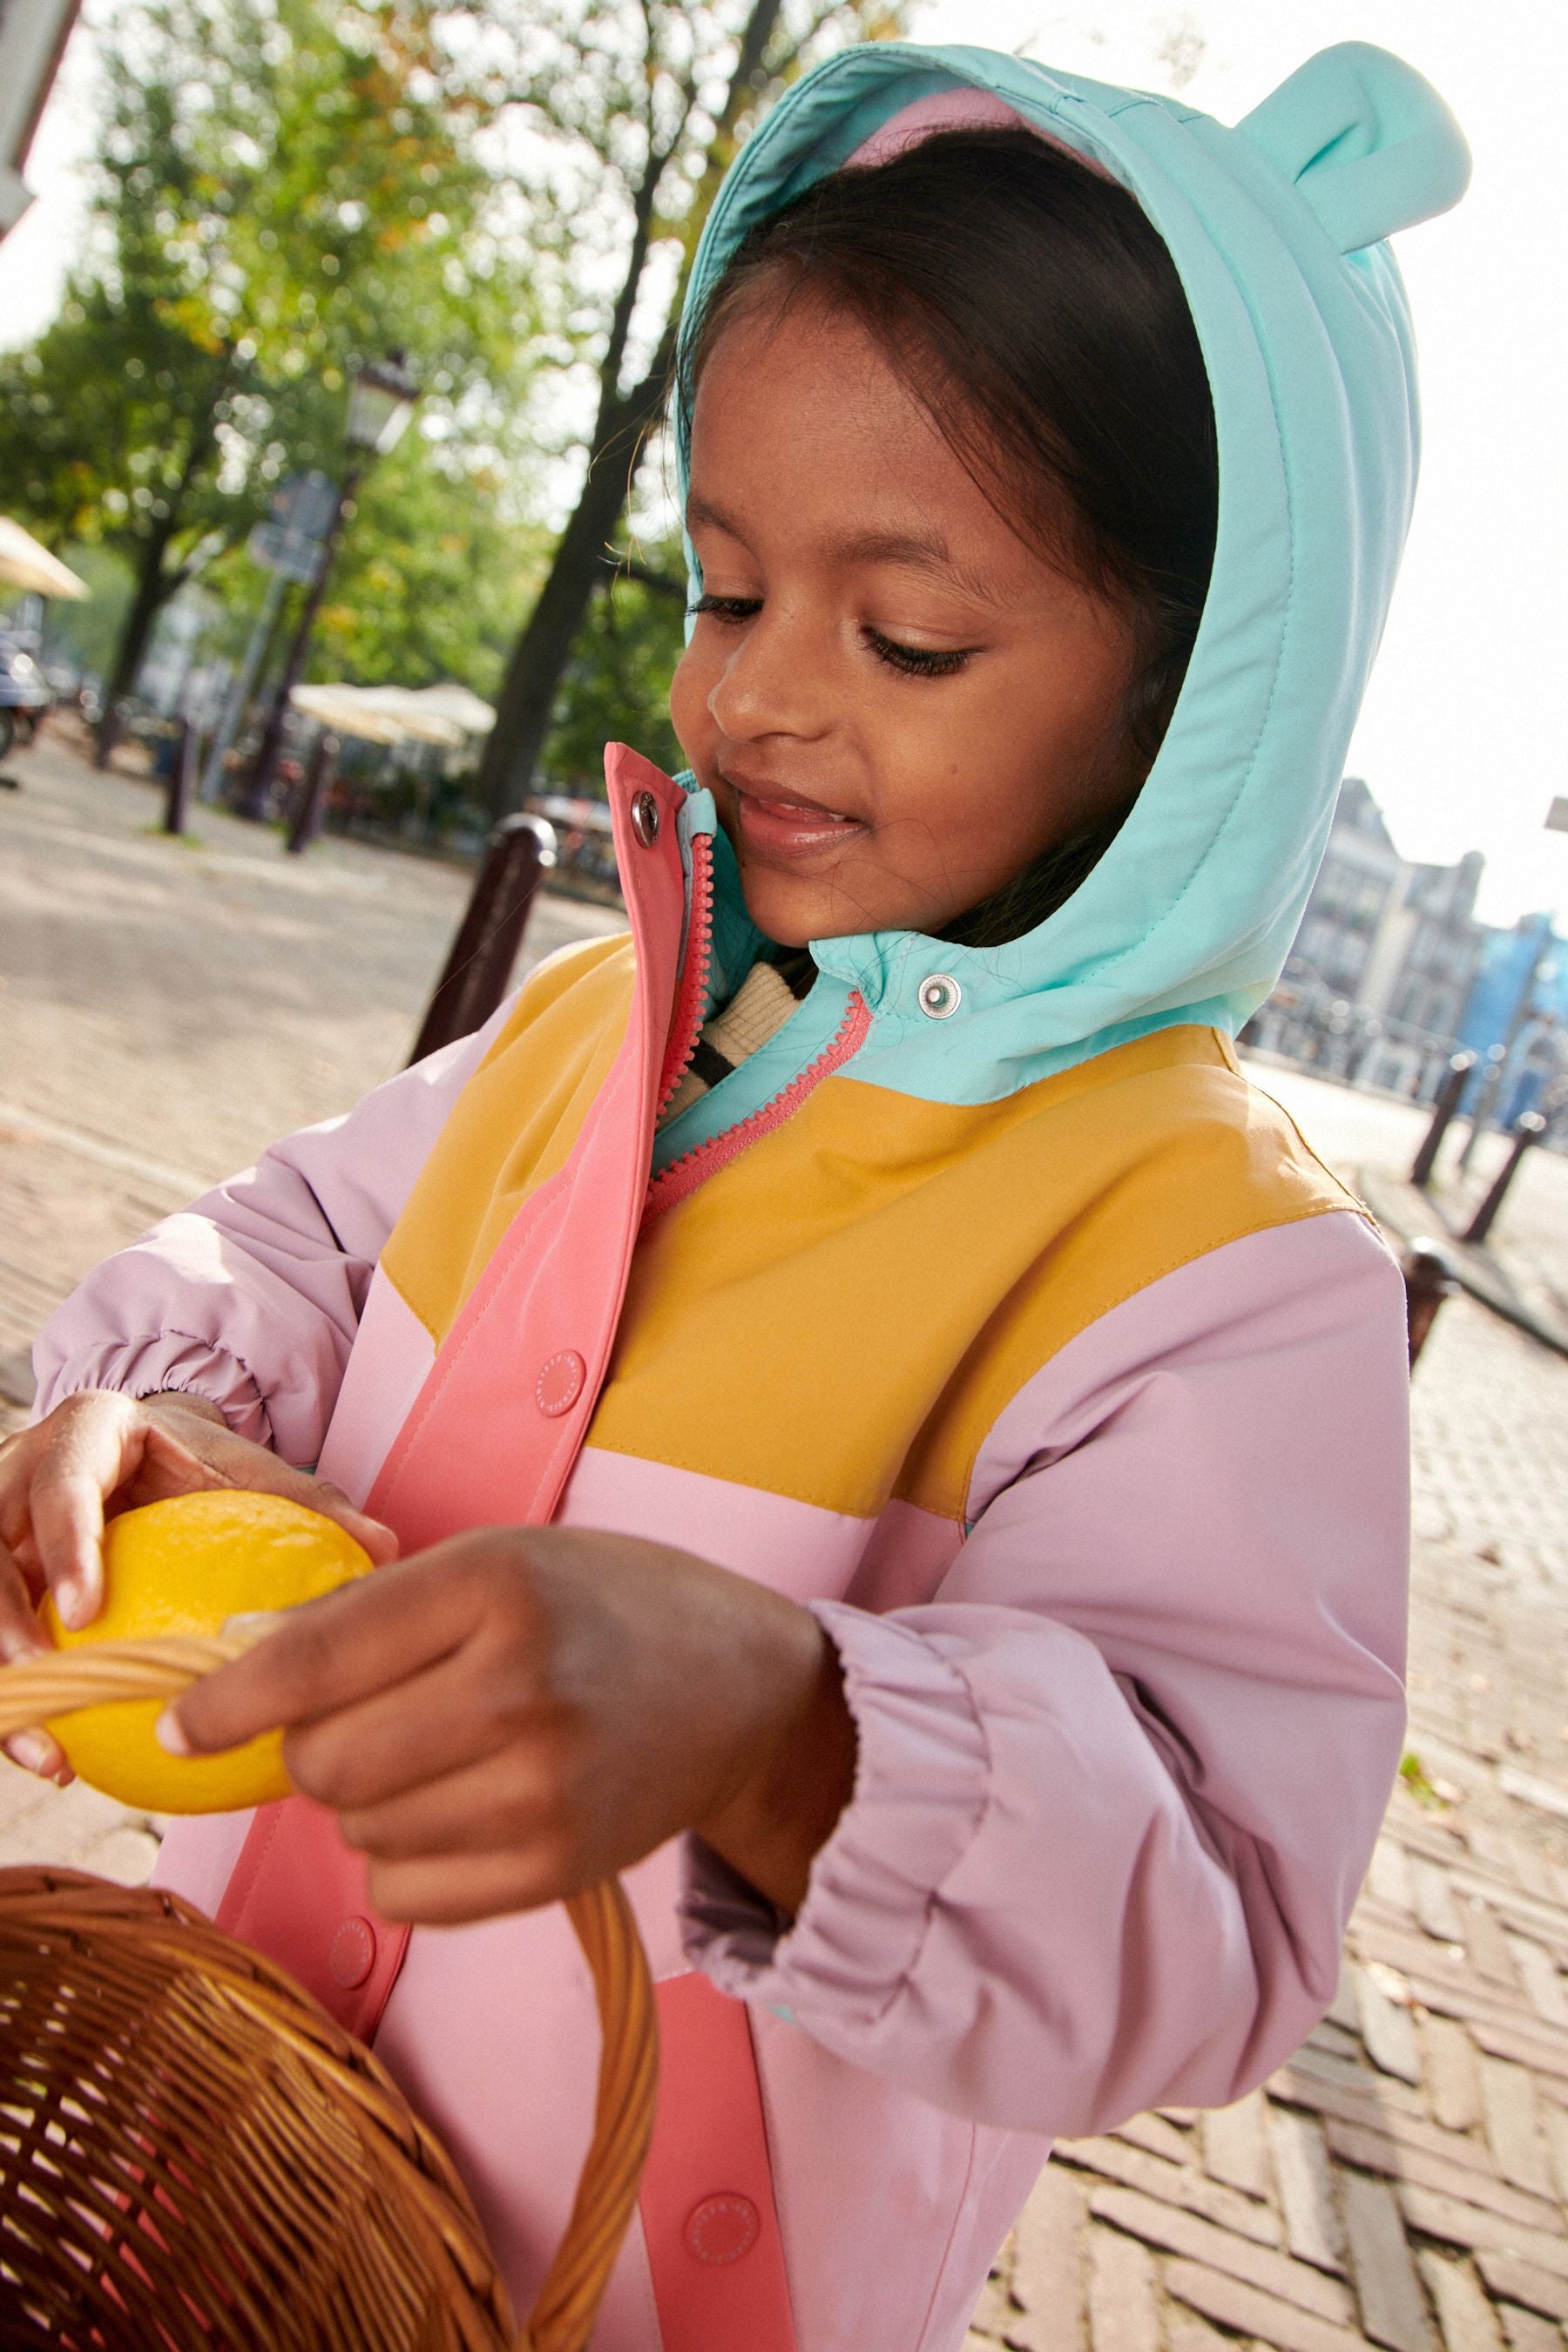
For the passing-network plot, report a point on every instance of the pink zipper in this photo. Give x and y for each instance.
(686, 1022)
(683, 1176)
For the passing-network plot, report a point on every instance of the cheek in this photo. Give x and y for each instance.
(689, 690)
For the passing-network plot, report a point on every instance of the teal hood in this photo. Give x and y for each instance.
(1277, 227)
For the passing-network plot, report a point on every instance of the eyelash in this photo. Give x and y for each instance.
(910, 661)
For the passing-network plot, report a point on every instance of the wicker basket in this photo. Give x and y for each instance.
(193, 2154)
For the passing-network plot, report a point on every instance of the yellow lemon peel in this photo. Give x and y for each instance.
(183, 1566)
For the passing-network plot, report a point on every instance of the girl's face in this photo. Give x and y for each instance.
(895, 702)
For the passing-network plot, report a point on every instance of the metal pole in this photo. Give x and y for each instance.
(1429, 1278)
(1486, 1092)
(239, 693)
(257, 791)
(1527, 1131)
(182, 777)
(307, 819)
(478, 967)
(1447, 1103)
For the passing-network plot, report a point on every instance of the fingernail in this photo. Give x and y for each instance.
(169, 1735)
(252, 1624)
(28, 1748)
(75, 1603)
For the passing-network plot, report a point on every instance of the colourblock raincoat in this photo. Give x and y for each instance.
(987, 1310)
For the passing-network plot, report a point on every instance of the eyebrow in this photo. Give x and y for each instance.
(918, 550)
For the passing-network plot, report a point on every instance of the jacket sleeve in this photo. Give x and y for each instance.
(251, 1296)
(1119, 1780)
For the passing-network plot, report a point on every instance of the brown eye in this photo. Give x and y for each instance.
(917, 661)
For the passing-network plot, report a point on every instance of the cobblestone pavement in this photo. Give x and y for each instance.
(1402, 2183)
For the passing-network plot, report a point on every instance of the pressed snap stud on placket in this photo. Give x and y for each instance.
(939, 997)
(723, 2228)
(560, 1382)
(352, 1953)
(644, 819)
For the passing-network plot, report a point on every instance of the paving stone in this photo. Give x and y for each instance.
(1541, 1979)
(1343, 2011)
(1173, 2184)
(1522, 2282)
(1157, 2137)
(1513, 2129)
(1487, 1944)
(995, 2311)
(1555, 2122)
(1185, 2332)
(1434, 1904)
(1450, 2071)
(1465, 2316)
(1462, 2224)
(1361, 2082)
(1379, 2152)
(1313, 2231)
(1178, 2232)
(1392, 2308)
(1549, 2056)
(1389, 1875)
(1387, 2029)
(1235, 2145)
(1250, 2313)
(1123, 2316)
(1526, 2330)
(1047, 2265)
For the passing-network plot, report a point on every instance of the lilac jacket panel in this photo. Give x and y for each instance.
(1120, 1775)
(252, 1296)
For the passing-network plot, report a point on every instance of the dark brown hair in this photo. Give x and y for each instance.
(1033, 308)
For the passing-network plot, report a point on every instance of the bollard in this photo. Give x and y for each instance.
(1526, 1131)
(479, 965)
(1429, 1278)
(182, 780)
(306, 821)
(1448, 1098)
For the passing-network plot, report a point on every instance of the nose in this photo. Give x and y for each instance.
(774, 680)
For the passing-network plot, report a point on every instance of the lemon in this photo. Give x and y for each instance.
(182, 1567)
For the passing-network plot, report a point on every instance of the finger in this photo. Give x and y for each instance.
(90, 1451)
(511, 1800)
(455, 1890)
(456, 1713)
(332, 1653)
(372, 1535)
(21, 1636)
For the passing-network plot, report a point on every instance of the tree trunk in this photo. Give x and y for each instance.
(153, 591)
(540, 653)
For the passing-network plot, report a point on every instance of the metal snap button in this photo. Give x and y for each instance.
(351, 1956)
(644, 819)
(723, 2228)
(939, 997)
(560, 1382)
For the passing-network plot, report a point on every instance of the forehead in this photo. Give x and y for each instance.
(802, 426)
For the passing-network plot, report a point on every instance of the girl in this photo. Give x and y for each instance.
(892, 1443)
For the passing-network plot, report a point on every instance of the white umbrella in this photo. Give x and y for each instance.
(410, 711)
(27, 565)
(467, 711)
(344, 709)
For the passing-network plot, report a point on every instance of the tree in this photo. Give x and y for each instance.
(285, 185)
(634, 111)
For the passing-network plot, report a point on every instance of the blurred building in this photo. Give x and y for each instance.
(1380, 973)
(33, 36)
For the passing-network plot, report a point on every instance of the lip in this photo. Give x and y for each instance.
(777, 824)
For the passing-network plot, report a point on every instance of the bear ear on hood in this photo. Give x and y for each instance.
(1366, 139)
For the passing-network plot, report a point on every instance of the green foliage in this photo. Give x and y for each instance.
(616, 687)
(283, 188)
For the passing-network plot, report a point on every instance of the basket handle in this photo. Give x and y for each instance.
(52, 1683)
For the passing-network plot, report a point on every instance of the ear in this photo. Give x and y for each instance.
(1366, 139)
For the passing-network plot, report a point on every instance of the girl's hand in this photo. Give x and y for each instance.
(519, 1712)
(99, 1454)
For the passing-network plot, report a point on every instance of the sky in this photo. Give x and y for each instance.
(1461, 736)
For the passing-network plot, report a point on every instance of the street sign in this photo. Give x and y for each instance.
(302, 512)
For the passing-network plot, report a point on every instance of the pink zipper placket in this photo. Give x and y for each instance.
(684, 1175)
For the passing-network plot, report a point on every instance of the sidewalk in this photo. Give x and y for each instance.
(1404, 2181)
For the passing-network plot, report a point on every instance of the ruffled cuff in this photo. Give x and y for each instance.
(141, 1367)
(922, 1780)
